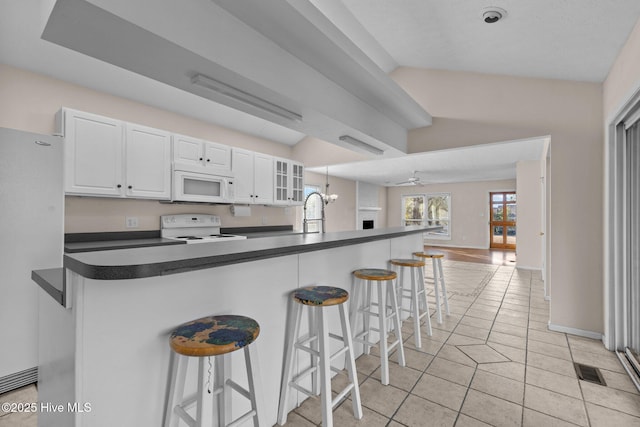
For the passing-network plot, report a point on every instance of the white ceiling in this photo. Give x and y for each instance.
(485, 162)
(560, 39)
(567, 39)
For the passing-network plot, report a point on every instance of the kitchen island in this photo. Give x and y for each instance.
(107, 350)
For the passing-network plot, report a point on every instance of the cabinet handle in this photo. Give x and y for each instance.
(200, 158)
(119, 185)
(130, 187)
(208, 160)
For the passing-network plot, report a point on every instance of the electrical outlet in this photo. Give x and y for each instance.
(264, 220)
(131, 222)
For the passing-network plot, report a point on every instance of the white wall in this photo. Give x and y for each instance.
(469, 210)
(30, 101)
(529, 215)
(474, 108)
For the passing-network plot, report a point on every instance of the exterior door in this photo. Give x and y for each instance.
(503, 220)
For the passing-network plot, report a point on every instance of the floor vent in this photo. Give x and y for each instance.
(589, 373)
(17, 380)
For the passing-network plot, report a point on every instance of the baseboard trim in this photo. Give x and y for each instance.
(432, 243)
(524, 267)
(575, 331)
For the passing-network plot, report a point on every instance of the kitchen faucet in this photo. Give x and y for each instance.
(305, 221)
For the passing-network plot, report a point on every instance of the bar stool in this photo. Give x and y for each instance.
(417, 294)
(386, 311)
(202, 338)
(316, 343)
(438, 279)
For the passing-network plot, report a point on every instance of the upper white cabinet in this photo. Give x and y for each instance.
(109, 158)
(253, 174)
(199, 153)
(148, 163)
(93, 153)
(288, 182)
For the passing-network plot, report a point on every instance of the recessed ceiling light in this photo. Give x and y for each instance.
(493, 14)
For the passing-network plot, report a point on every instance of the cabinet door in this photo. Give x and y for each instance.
(242, 168)
(187, 151)
(93, 154)
(217, 156)
(281, 184)
(263, 179)
(148, 163)
(297, 183)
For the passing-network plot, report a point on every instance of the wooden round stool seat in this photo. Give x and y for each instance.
(429, 254)
(375, 274)
(320, 295)
(407, 262)
(214, 335)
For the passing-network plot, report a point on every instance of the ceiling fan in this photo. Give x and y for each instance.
(413, 180)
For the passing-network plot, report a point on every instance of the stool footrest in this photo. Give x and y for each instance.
(184, 416)
(309, 350)
(302, 389)
(342, 395)
(310, 370)
(242, 419)
(237, 387)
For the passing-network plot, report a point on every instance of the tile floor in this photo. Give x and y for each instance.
(492, 362)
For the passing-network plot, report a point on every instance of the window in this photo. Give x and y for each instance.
(314, 209)
(428, 209)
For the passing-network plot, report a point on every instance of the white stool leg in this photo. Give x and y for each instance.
(366, 317)
(171, 391)
(415, 309)
(293, 326)
(350, 362)
(325, 369)
(384, 351)
(255, 386)
(397, 322)
(443, 287)
(201, 392)
(424, 301)
(222, 373)
(354, 305)
(436, 287)
(313, 327)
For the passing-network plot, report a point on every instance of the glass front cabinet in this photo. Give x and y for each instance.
(289, 182)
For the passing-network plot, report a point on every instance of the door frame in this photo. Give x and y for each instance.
(503, 223)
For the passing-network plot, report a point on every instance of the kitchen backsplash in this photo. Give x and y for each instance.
(94, 214)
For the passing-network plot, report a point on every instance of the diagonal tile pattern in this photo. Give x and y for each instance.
(492, 362)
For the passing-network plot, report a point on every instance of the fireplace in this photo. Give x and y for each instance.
(367, 224)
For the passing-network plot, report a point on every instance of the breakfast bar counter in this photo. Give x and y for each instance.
(107, 348)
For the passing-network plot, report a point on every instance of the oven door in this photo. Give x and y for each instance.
(198, 187)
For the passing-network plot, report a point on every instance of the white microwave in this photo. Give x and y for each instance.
(200, 187)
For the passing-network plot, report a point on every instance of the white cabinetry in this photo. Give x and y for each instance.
(288, 182)
(109, 158)
(253, 174)
(194, 152)
(148, 163)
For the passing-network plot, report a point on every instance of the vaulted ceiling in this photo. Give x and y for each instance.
(569, 39)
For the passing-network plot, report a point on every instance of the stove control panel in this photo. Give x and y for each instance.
(189, 220)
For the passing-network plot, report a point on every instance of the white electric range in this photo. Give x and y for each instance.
(194, 228)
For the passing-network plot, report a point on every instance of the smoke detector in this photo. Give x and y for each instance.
(492, 14)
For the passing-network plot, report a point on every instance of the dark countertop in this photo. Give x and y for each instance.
(90, 242)
(106, 245)
(52, 282)
(171, 259)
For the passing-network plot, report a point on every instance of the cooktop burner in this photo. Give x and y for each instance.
(195, 228)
